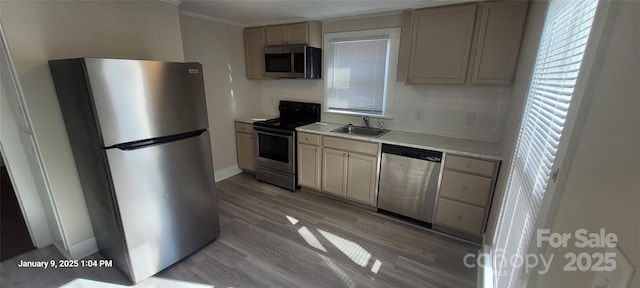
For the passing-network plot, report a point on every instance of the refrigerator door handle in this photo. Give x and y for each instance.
(154, 141)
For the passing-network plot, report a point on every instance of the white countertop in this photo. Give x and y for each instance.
(417, 140)
(254, 118)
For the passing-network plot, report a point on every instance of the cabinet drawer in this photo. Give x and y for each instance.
(350, 145)
(460, 216)
(465, 187)
(471, 165)
(311, 139)
(244, 127)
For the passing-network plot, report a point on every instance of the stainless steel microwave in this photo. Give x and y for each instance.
(293, 61)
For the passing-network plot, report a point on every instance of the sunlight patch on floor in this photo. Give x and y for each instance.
(293, 221)
(311, 239)
(376, 266)
(355, 252)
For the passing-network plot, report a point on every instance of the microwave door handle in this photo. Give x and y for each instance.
(293, 64)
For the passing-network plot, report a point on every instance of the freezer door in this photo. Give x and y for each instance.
(137, 100)
(166, 200)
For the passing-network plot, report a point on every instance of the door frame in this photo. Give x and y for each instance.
(15, 153)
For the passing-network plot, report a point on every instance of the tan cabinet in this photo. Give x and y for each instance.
(245, 147)
(466, 189)
(460, 216)
(349, 169)
(361, 177)
(334, 171)
(254, 42)
(309, 160)
(471, 43)
(308, 33)
(499, 33)
(440, 44)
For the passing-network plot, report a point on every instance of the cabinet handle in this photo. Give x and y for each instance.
(464, 188)
(459, 216)
(468, 165)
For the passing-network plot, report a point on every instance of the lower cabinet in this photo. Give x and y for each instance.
(334, 172)
(466, 189)
(340, 167)
(245, 147)
(348, 171)
(361, 177)
(309, 166)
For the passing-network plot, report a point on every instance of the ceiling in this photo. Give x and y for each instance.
(263, 12)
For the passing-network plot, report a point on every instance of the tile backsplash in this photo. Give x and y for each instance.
(469, 112)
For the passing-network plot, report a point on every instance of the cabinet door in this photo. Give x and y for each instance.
(254, 52)
(361, 180)
(297, 33)
(276, 35)
(309, 166)
(441, 43)
(500, 31)
(246, 149)
(334, 172)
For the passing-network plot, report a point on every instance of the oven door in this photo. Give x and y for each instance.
(275, 149)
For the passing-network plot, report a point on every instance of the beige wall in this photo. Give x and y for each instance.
(220, 49)
(432, 109)
(603, 184)
(41, 30)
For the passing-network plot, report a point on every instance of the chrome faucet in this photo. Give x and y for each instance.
(381, 124)
(366, 121)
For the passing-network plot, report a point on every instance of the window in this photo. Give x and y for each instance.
(361, 72)
(558, 64)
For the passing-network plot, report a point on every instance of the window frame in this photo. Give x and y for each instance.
(388, 99)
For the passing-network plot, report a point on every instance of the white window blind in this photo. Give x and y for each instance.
(358, 75)
(564, 39)
(361, 71)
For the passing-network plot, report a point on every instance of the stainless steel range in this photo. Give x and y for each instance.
(276, 143)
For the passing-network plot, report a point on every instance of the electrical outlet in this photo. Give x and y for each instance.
(470, 119)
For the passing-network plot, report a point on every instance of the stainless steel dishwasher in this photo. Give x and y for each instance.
(409, 181)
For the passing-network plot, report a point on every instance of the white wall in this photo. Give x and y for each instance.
(220, 49)
(603, 184)
(432, 109)
(41, 30)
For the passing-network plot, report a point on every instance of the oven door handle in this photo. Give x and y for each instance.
(273, 132)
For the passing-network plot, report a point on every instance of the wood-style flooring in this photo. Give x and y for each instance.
(274, 238)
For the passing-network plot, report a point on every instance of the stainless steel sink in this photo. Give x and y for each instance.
(360, 130)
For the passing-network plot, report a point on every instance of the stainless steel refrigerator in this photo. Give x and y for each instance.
(140, 140)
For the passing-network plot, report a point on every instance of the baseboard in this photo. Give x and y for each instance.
(227, 172)
(84, 248)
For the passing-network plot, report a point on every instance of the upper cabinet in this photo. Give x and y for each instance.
(440, 44)
(254, 40)
(466, 44)
(499, 34)
(306, 33)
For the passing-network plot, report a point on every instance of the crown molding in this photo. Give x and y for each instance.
(209, 18)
